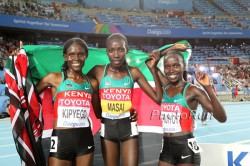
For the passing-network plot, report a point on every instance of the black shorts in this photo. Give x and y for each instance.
(118, 130)
(66, 144)
(176, 151)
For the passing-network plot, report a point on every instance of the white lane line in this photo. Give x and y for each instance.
(5, 132)
(6, 138)
(222, 124)
(5, 128)
(242, 142)
(9, 155)
(209, 135)
(7, 145)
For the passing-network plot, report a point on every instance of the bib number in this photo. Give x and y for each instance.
(53, 144)
(193, 145)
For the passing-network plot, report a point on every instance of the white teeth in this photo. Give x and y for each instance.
(172, 76)
(76, 64)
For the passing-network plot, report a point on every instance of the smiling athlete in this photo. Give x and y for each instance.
(179, 103)
(74, 94)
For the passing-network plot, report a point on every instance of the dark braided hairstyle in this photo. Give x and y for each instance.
(77, 41)
(177, 53)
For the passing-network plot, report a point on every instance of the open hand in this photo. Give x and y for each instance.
(179, 46)
(202, 78)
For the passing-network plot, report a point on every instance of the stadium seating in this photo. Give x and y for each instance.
(115, 19)
(141, 21)
(231, 7)
(172, 22)
(198, 22)
(77, 16)
(206, 8)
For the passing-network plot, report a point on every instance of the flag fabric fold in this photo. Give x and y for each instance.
(25, 111)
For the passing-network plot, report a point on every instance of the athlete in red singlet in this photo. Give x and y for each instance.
(74, 95)
(180, 101)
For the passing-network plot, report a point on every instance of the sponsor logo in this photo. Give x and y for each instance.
(86, 88)
(183, 157)
(237, 158)
(177, 100)
(159, 32)
(69, 85)
(89, 147)
(126, 83)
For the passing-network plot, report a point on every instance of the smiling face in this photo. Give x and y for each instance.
(174, 67)
(75, 57)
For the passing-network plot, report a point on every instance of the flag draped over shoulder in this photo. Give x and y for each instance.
(25, 111)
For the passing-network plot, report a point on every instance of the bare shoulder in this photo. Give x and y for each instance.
(96, 72)
(133, 69)
(96, 69)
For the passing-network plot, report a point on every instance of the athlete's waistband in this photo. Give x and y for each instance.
(68, 130)
(106, 120)
(179, 138)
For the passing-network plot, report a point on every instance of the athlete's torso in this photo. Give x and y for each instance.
(176, 114)
(72, 104)
(116, 95)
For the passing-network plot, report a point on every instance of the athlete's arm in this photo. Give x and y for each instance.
(95, 98)
(96, 73)
(154, 58)
(208, 98)
(138, 77)
(176, 46)
(164, 80)
(50, 80)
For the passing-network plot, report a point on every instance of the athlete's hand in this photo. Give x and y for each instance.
(153, 59)
(134, 115)
(176, 46)
(202, 78)
(16, 51)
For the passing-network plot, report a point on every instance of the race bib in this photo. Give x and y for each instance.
(170, 115)
(73, 117)
(116, 102)
(53, 144)
(193, 145)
